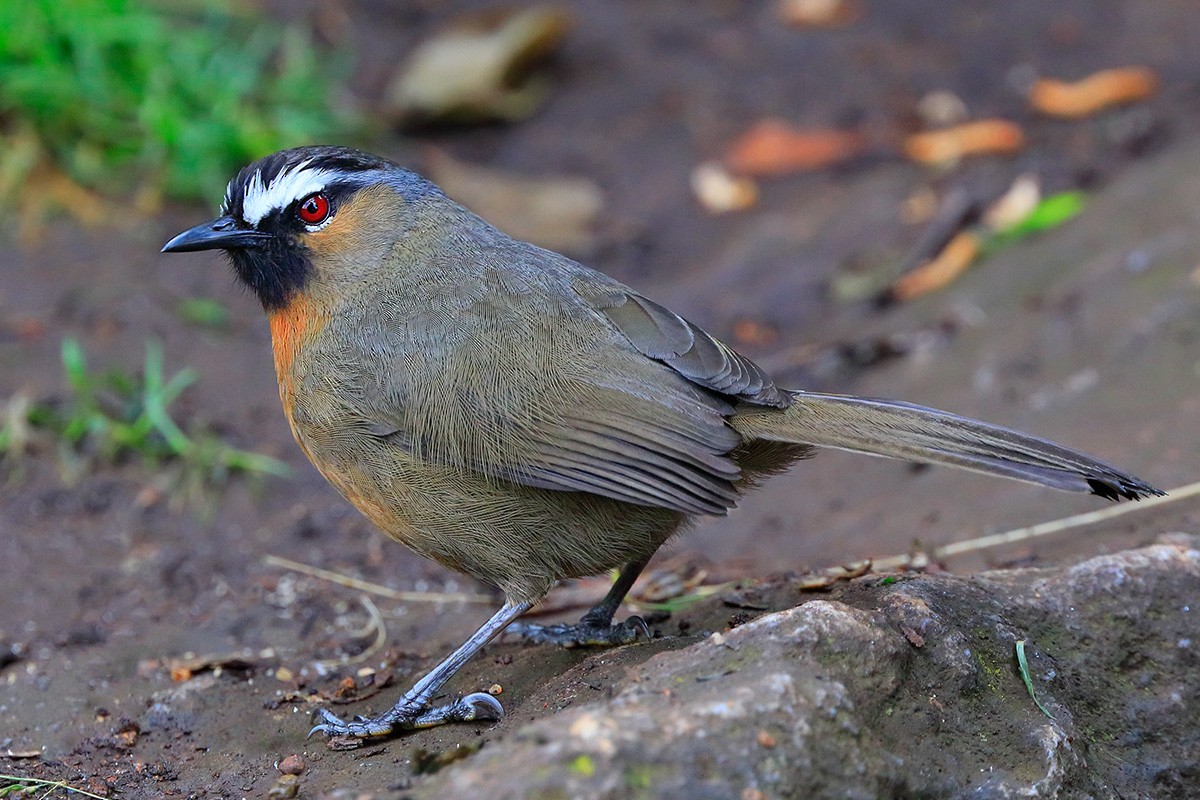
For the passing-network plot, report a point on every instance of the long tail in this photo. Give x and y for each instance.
(902, 430)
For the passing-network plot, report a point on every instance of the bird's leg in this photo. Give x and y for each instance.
(596, 628)
(412, 711)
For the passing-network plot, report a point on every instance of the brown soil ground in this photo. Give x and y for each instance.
(1086, 335)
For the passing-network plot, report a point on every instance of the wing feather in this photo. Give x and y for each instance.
(619, 397)
(667, 337)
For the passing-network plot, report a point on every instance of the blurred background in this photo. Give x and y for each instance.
(985, 207)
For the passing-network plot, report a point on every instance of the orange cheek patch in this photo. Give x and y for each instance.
(342, 232)
(353, 224)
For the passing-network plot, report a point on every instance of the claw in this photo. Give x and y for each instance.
(483, 707)
(640, 624)
(412, 710)
(477, 707)
(328, 720)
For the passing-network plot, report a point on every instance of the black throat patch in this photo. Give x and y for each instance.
(276, 271)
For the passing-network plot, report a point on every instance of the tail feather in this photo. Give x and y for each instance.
(902, 430)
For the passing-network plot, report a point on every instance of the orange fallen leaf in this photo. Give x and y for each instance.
(28, 327)
(939, 271)
(772, 147)
(983, 137)
(1095, 93)
(753, 332)
(819, 13)
(187, 666)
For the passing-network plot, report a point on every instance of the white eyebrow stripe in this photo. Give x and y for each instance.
(289, 185)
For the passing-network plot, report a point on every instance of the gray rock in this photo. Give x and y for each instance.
(901, 687)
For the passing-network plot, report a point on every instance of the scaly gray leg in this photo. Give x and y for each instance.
(595, 629)
(411, 711)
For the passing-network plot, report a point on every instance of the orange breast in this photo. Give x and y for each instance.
(292, 327)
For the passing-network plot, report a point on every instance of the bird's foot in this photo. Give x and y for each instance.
(405, 716)
(585, 633)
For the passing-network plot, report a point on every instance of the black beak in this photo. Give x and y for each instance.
(222, 233)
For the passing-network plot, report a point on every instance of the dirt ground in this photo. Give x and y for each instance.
(1086, 335)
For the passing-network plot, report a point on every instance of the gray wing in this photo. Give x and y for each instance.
(621, 398)
(659, 458)
(661, 334)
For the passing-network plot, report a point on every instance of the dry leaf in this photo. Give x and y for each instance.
(21, 754)
(718, 191)
(185, 667)
(753, 332)
(1015, 205)
(828, 577)
(819, 13)
(772, 147)
(479, 69)
(942, 107)
(958, 254)
(1095, 93)
(662, 585)
(950, 145)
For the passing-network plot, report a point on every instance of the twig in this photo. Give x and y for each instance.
(1043, 528)
(375, 588)
(959, 209)
(374, 622)
(693, 595)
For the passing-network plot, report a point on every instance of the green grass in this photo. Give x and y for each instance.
(15, 786)
(112, 417)
(1050, 213)
(129, 94)
(1027, 678)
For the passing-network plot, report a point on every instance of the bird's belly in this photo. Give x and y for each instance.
(519, 538)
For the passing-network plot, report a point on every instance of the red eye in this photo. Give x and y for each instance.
(313, 209)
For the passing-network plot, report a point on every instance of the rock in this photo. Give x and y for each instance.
(292, 764)
(901, 687)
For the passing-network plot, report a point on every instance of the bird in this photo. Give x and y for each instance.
(521, 418)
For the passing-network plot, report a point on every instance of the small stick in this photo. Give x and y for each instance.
(374, 622)
(1043, 528)
(375, 588)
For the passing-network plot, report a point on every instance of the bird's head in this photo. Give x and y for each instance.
(309, 214)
